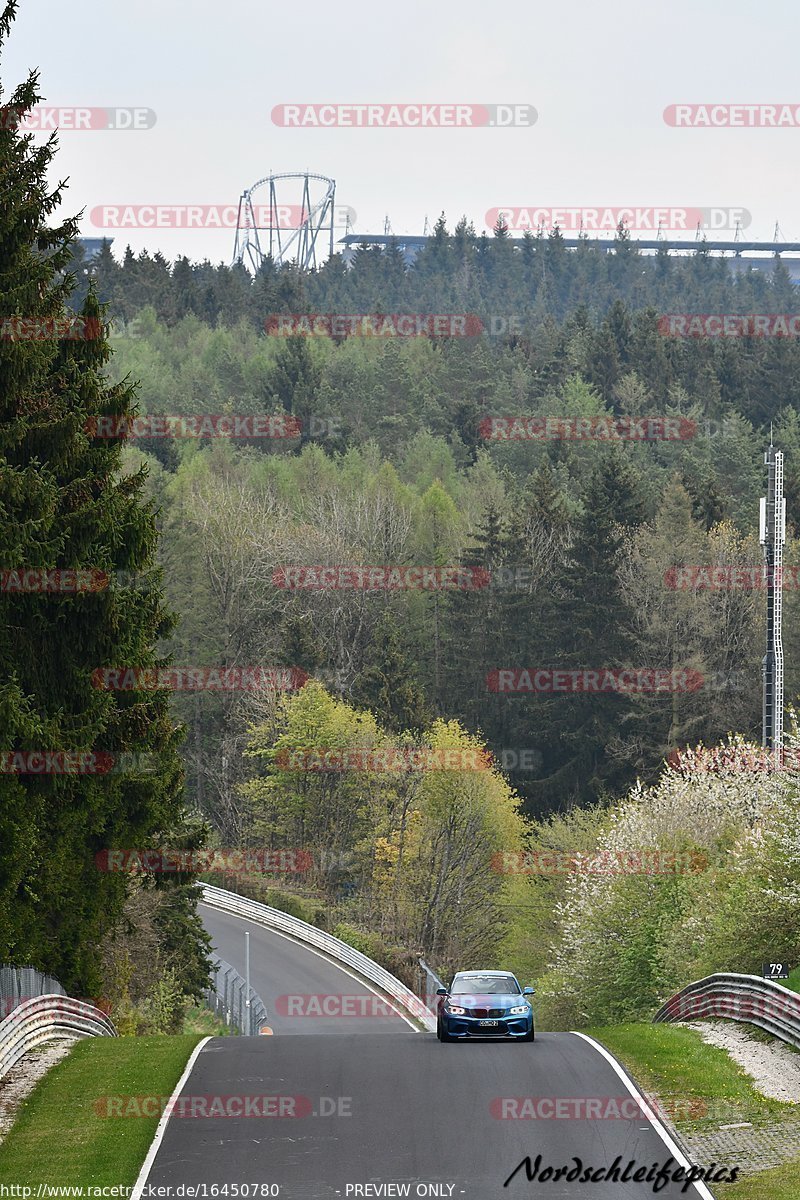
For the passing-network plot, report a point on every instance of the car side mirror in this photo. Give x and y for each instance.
(441, 992)
(528, 991)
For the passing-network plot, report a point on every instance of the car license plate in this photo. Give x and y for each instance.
(487, 1022)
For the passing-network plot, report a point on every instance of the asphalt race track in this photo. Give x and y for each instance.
(359, 1104)
(280, 967)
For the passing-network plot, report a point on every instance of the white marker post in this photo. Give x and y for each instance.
(247, 981)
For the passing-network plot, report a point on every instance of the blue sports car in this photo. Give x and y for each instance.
(485, 1004)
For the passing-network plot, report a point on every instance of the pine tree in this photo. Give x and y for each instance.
(296, 380)
(386, 684)
(588, 625)
(603, 365)
(65, 504)
(474, 630)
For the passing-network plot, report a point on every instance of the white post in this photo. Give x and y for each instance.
(247, 980)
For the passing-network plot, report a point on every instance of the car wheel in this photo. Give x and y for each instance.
(440, 1033)
(530, 1037)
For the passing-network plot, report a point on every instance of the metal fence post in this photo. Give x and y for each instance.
(231, 998)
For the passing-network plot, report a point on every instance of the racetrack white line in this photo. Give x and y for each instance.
(161, 1128)
(663, 1133)
(325, 958)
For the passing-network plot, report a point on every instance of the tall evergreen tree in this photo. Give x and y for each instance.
(386, 684)
(474, 629)
(589, 626)
(64, 505)
(296, 380)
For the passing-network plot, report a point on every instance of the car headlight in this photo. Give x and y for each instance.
(519, 1011)
(456, 1011)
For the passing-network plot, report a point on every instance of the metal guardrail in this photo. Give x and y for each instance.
(47, 1019)
(333, 947)
(227, 997)
(733, 997)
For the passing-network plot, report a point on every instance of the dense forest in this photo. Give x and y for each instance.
(393, 465)
(372, 542)
(349, 454)
(577, 545)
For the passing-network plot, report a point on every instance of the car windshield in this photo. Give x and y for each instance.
(484, 985)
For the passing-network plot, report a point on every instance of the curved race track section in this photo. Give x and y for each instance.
(374, 1109)
(292, 978)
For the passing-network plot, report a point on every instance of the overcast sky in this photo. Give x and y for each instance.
(599, 77)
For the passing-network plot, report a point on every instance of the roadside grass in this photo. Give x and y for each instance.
(778, 1183)
(206, 1023)
(60, 1137)
(700, 1086)
(793, 982)
(692, 1078)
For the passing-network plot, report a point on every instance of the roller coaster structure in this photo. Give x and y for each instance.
(295, 230)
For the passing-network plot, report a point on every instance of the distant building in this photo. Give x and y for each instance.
(740, 255)
(92, 246)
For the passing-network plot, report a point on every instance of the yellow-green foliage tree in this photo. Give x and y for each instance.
(413, 827)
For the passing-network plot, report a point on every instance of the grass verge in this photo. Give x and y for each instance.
(701, 1088)
(700, 1085)
(60, 1135)
(778, 1183)
(206, 1023)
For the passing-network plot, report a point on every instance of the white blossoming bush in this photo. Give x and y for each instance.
(699, 873)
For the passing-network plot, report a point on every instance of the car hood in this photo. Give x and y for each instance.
(474, 1000)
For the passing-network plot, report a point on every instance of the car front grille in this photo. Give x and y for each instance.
(486, 1013)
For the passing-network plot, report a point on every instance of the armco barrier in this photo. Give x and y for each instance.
(733, 997)
(46, 1019)
(301, 931)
